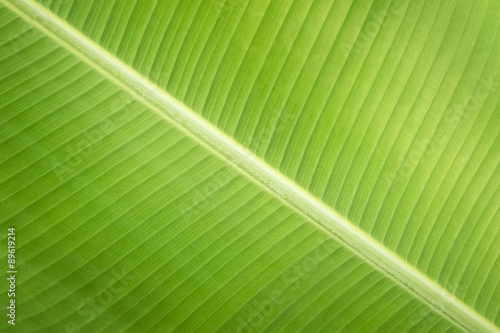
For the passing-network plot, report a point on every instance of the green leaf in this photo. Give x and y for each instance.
(258, 165)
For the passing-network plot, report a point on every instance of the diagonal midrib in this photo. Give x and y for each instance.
(266, 176)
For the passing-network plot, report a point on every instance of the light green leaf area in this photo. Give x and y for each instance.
(251, 166)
